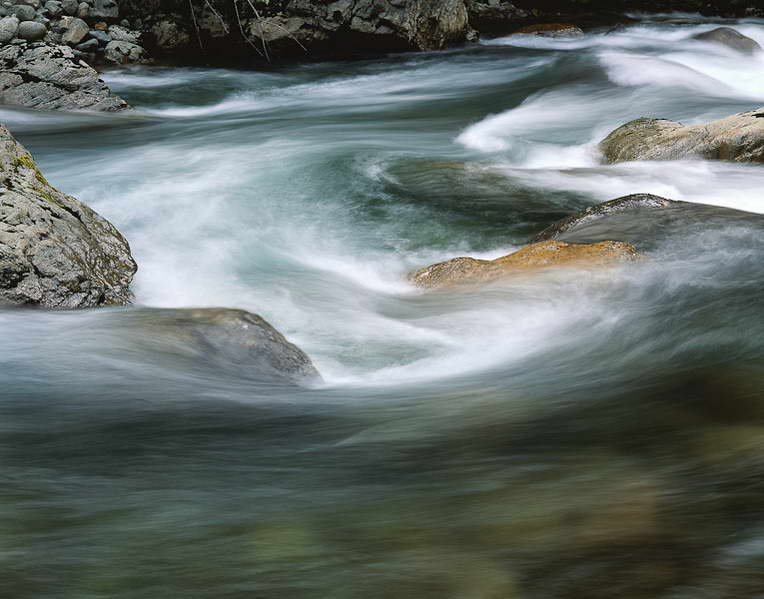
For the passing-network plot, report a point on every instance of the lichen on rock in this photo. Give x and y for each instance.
(54, 250)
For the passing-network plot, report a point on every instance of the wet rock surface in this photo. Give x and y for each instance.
(220, 339)
(54, 250)
(546, 254)
(645, 221)
(738, 138)
(726, 36)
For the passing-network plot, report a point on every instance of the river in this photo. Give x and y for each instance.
(570, 435)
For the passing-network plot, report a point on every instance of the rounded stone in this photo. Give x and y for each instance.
(87, 46)
(54, 8)
(103, 37)
(32, 31)
(24, 12)
(9, 26)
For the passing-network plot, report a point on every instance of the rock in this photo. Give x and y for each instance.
(102, 37)
(726, 36)
(300, 26)
(168, 36)
(124, 53)
(33, 3)
(83, 10)
(70, 7)
(54, 8)
(75, 30)
(739, 138)
(55, 251)
(487, 15)
(213, 25)
(9, 27)
(551, 30)
(32, 31)
(90, 45)
(104, 9)
(100, 26)
(120, 34)
(86, 57)
(547, 254)
(23, 12)
(647, 222)
(224, 339)
(47, 76)
(630, 204)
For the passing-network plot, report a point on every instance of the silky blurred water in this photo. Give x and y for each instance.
(573, 434)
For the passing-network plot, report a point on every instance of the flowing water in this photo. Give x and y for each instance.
(575, 434)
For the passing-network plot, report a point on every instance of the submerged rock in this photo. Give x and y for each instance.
(54, 250)
(552, 30)
(645, 221)
(222, 339)
(547, 254)
(42, 75)
(739, 138)
(628, 204)
(726, 36)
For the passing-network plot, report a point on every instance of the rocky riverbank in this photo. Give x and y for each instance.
(47, 49)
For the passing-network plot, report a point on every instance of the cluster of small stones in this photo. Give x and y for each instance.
(91, 28)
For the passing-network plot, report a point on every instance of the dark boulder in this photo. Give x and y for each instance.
(726, 36)
(646, 221)
(221, 340)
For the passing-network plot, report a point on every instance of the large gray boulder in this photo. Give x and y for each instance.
(220, 339)
(70, 6)
(9, 27)
(32, 31)
(23, 12)
(726, 36)
(54, 250)
(739, 138)
(41, 75)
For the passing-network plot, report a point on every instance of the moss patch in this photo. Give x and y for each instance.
(27, 161)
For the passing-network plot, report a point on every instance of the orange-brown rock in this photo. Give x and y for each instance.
(547, 254)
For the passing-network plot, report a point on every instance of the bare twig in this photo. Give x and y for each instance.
(260, 27)
(196, 25)
(219, 17)
(241, 29)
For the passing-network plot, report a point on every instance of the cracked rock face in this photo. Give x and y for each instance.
(41, 75)
(54, 250)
